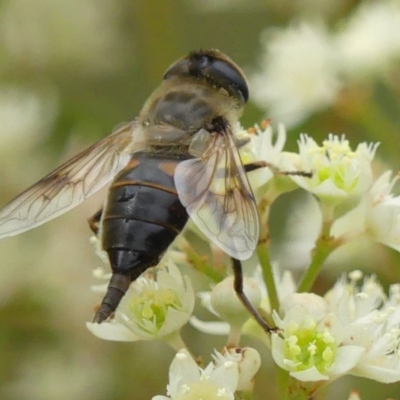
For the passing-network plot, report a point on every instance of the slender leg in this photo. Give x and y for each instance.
(238, 286)
(256, 165)
(94, 220)
(262, 164)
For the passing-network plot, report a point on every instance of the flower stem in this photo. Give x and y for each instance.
(175, 341)
(283, 383)
(298, 390)
(268, 275)
(323, 247)
(235, 333)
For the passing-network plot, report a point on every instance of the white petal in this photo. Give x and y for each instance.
(112, 331)
(377, 373)
(311, 375)
(278, 351)
(226, 375)
(213, 328)
(346, 358)
(183, 369)
(174, 321)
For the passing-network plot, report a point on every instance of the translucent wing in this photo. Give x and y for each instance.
(69, 184)
(217, 195)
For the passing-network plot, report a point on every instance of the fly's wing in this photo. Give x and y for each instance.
(218, 198)
(69, 184)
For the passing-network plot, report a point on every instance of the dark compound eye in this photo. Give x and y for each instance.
(216, 68)
(227, 74)
(204, 61)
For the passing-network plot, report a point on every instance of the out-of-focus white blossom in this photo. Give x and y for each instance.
(298, 73)
(79, 34)
(304, 66)
(338, 172)
(55, 375)
(188, 381)
(25, 117)
(370, 40)
(151, 308)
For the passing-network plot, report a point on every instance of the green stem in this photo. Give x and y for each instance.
(175, 341)
(283, 383)
(321, 253)
(298, 390)
(201, 264)
(268, 275)
(235, 333)
(247, 396)
(323, 247)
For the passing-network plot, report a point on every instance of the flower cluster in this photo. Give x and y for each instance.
(354, 329)
(305, 67)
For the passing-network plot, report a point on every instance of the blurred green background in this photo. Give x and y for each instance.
(71, 71)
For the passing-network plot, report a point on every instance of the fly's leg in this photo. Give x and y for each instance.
(238, 286)
(262, 164)
(94, 221)
(256, 165)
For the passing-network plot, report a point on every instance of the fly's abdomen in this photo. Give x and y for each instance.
(143, 215)
(142, 218)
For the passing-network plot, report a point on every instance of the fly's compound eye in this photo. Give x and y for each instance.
(204, 61)
(219, 70)
(227, 75)
(199, 63)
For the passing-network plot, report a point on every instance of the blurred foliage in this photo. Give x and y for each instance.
(89, 65)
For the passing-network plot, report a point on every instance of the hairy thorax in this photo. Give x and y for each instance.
(180, 108)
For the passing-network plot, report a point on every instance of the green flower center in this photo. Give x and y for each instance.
(306, 348)
(336, 161)
(153, 305)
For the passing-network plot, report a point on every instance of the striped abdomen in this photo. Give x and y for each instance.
(142, 217)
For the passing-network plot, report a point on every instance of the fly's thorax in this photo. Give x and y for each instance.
(180, 107)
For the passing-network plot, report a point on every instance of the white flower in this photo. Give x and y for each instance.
(248, 360)
(377, 215)
(372, 321)
(79, 34)
(285, 286)
(339, 173)
(299, 73)
(353, 330)
(188, 382)
(383, 212)
(264, 145)
(23, 110)
(309, 345)
(151, 308)
(226, 304)
(370, 40)
(304, 66)
(223, 302)
(49, 374)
